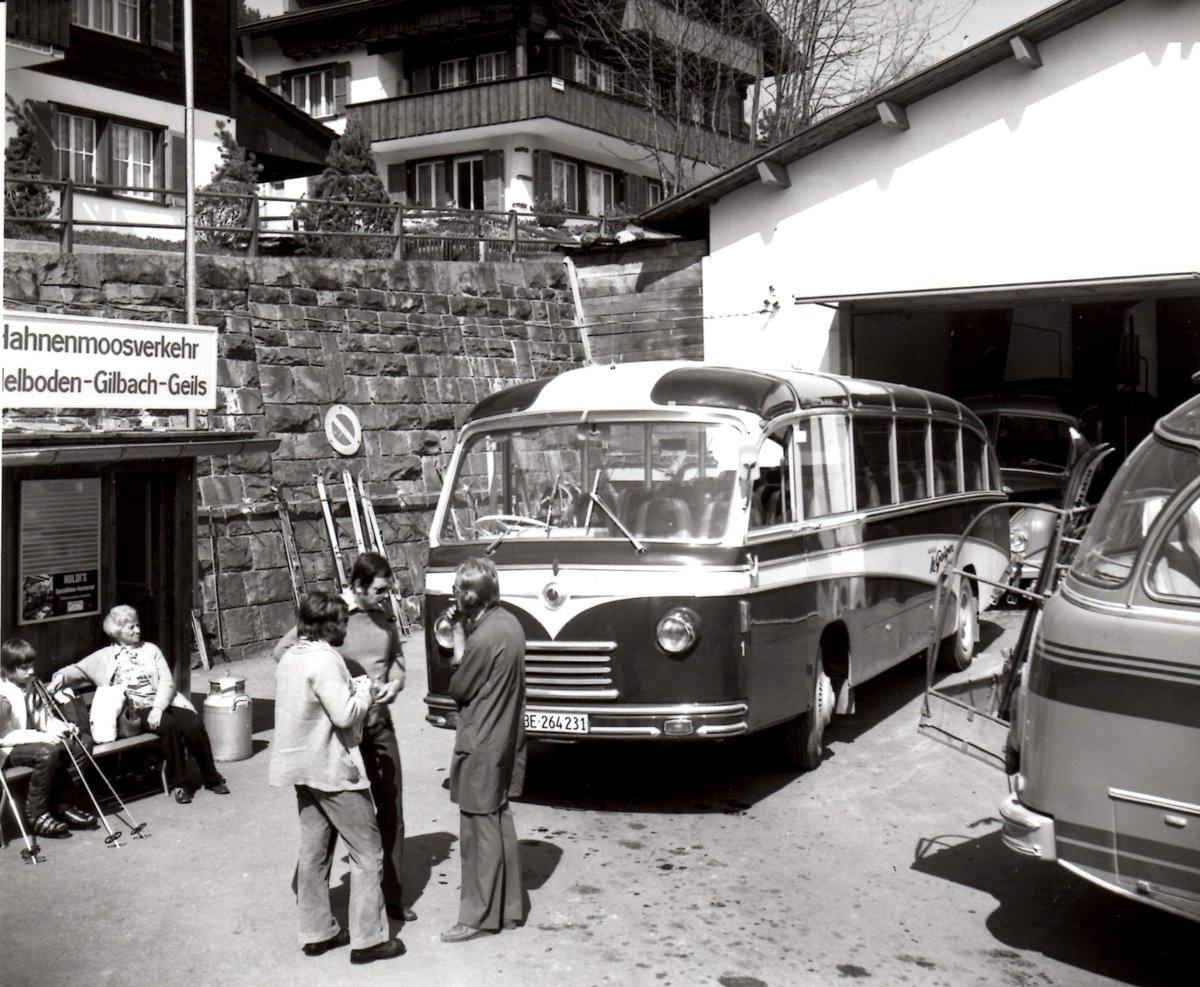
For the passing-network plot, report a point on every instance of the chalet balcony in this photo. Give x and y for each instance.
(39, 22)
(538, 97)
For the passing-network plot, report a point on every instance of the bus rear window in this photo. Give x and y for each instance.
(1134, 499)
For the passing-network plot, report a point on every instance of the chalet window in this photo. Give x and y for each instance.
(75, 137)
(593, 73)
(456, 72)
(491, 67)
(600, 191)
(468, 183)
(99, 151)
(654, 192)
(313, 92)
(431, 179)
(133, 159)
(565, 183)
(120, 17)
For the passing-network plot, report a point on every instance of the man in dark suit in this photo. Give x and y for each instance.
(489, 751)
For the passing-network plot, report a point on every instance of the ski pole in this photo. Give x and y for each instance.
(31, 852)
(135, 828)
(291, 550)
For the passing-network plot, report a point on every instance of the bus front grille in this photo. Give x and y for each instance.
(569, 670)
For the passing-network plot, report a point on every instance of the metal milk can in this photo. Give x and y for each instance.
(227, 718)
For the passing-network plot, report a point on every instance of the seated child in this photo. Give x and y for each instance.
(151, 694)
(31, 736)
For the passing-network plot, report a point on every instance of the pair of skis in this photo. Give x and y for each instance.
(367, 535)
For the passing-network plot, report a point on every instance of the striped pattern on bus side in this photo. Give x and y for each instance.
(1106, 855)
(1148, 688)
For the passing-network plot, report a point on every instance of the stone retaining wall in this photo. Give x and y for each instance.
(408, 346)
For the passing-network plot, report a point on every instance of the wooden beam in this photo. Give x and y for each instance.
(892, 115)
(1025, 52)
(773, 174)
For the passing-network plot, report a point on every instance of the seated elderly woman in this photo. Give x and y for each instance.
(151, 695)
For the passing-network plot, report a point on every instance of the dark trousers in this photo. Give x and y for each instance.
(47, 780)
(491, 870)
(381, 755)
(180, 732)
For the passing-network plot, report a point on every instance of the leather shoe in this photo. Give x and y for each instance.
(182, 796)
(218, 788)
(325, 945)
(78, 818)
(386, 950)
(461, 933)
(400, 912)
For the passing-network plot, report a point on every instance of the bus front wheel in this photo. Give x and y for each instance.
(957, 650)
(804, 737)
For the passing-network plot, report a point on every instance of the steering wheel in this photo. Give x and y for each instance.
(507, 523)
(558, 502)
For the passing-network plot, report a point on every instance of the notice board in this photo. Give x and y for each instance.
(59, 536)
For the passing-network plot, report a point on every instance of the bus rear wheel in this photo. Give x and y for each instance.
(804, 737)
(956, 651)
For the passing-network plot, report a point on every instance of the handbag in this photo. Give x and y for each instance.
(129, 724)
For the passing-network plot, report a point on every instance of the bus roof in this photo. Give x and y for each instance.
(654, 385)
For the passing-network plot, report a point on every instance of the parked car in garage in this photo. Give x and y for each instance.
(1037, 443)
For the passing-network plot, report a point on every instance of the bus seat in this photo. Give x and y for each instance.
(940, 481)
(866, 490)
(628, 502)
(663, 516)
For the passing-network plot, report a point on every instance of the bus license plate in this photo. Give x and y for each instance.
(556, 722)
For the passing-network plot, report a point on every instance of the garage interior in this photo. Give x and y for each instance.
(1118, 354)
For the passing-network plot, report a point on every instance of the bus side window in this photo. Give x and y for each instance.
(771, 492)
(974, 461)
(944, 440)
(872, 462)
(910, 460)
(823, 447)
(1175, 569)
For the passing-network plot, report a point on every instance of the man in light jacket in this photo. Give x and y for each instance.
(319, 713)
(489, 752)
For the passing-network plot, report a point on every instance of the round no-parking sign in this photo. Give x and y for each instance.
(343, 430)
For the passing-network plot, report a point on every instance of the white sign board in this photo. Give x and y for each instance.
(69, 361)
(343, 430)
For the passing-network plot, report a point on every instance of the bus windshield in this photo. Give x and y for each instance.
(654, 480)
(1138, 493)
(1025, 442)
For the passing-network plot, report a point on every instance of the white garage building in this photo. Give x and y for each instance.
(1027, 210)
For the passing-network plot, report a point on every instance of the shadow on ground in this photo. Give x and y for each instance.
(1043, 908)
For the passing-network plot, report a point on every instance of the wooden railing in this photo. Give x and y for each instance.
(250, 224)
(537, 97)
(44, 22)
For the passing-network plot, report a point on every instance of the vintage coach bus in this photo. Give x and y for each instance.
(697, 552)
(1105, 766)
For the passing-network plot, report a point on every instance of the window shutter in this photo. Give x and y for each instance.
(543, 178)
(397, 179)
(341, 86)
(566, 61)
(420, 79)
(178, 182)
(42, 117)
(162, 24)
(635, 193)
(493, 181)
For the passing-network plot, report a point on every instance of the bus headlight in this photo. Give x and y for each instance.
(1018, 541)
(678, 631)
(443, 631)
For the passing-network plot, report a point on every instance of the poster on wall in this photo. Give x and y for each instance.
(59, 535)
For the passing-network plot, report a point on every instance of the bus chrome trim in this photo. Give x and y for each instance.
(575, 693)
(1027, 832)
(555, 647)
(1154, 801)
